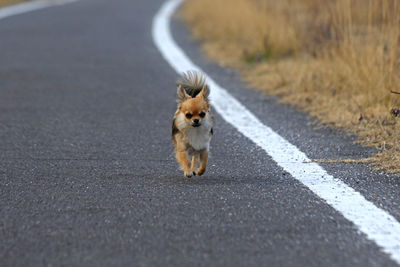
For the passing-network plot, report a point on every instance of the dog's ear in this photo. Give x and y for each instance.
(205, 92)
(182, 95)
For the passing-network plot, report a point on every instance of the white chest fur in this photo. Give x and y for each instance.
(199, 138)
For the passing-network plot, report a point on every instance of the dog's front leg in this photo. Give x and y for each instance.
(183, 160)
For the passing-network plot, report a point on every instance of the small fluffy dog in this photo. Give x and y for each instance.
(192, 123)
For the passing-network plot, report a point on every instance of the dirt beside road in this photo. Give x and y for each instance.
(337, 61)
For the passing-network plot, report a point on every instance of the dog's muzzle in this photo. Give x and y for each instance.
(196, 123)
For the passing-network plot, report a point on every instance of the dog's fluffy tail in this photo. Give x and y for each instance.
(193, 82)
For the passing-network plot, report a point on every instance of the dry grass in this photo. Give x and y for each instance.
(337, 60)
(10, 2)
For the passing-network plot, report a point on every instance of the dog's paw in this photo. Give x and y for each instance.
(189, 174)
(200, 172)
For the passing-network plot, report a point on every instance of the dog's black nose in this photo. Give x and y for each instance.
(196, 121)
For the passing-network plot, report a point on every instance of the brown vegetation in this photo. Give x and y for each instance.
(337, 60)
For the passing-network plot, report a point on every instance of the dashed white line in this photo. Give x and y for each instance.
(377, 224)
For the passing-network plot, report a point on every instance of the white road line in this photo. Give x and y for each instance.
(30, 6)
(375, 223)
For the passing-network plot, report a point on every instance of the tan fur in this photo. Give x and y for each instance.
(192, 124)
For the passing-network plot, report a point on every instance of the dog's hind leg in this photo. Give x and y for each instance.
(203, 162)
(194, 163)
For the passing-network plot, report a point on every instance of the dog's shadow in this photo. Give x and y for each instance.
(215, 179)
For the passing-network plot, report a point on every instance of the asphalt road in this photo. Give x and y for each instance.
(87, 172)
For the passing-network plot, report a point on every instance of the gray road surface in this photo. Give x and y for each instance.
(87, 172)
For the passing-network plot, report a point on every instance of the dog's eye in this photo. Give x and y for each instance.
(202, 114)
(188, 115)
